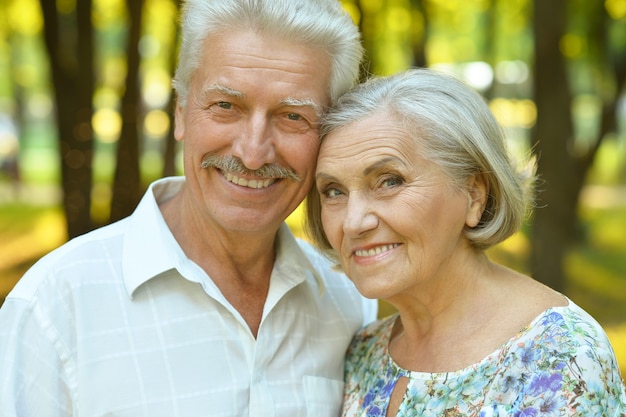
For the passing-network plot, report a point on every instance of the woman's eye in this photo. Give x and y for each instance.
(392, 181)
(330, 192)
(333, 192)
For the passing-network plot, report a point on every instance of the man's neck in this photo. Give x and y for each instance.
(240, 264)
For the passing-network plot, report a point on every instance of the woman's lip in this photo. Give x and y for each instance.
(375, 250)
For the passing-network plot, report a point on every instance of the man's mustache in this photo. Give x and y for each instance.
(235, 165)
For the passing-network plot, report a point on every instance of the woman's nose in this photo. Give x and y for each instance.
(360, 218)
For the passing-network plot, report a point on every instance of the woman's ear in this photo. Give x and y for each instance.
(477, 191)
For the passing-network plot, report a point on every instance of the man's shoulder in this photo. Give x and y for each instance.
(312, 252)
(83, 253)
(327, 269)
(337, 285)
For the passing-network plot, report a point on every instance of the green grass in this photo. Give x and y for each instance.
(26, 233)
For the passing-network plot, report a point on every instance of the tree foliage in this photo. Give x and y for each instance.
(535, 60)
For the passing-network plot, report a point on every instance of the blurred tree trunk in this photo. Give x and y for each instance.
(563, 166)
(127, 181)
(611, 65)
(491, 35)
(169, 152)
(419, 41)
(365, 30)
(169, 157)
(552, 137)
(69, 43)
(11, 166)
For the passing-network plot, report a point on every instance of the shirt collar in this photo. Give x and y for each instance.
(291, 259)
(150, 249)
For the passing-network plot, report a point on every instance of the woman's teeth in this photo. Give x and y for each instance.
(375, 251)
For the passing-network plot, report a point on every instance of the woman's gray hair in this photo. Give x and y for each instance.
(317, 23)
(458, 132)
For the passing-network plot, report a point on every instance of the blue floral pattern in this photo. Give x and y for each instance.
(562, 364)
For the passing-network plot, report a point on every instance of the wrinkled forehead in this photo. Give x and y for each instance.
(380, 128)
(367, 140)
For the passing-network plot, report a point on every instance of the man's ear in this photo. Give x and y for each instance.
(179, 121)
(477, 191)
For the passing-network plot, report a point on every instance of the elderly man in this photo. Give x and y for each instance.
(202, 302)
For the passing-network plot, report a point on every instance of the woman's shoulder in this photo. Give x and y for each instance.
(565, 339)
(564, 350)
(372, 339)
(367, 355)
(567, 325)
(376, 330)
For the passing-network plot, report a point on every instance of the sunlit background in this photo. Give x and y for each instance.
(496, 62)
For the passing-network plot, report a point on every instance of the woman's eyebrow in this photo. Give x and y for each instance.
(325, 177)
(390, 160)
(376, 166)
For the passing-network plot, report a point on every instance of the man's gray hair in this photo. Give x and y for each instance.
(320, 24)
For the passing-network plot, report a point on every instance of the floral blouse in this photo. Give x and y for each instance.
(562, 364)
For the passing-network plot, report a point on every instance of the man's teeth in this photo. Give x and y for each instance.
(260, 183)
(375, 251)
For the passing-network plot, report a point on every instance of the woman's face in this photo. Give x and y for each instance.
(392, 215)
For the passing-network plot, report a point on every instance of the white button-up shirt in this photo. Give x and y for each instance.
(119, 322)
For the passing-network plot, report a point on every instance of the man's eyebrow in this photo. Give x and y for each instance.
(306, 102)
(289, 101)
(219, 88)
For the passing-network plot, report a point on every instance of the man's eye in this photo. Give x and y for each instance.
(294, 123)
(225, 105)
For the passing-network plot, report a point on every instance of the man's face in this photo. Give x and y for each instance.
(255, 101)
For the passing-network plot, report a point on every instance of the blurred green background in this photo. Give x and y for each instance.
(120, 136)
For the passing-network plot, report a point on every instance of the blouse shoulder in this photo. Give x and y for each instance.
(563, 353)
(368, 350)
(377, 332)
(568, 330)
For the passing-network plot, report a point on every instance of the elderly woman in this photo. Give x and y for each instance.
(413, 183)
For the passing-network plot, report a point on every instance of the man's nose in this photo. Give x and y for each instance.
(255, 144)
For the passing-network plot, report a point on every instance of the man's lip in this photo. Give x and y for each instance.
(255, 183)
